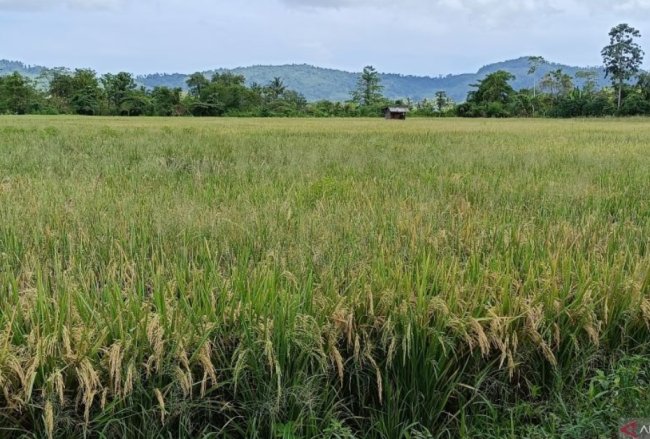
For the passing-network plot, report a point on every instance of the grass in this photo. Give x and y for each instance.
(323, 278)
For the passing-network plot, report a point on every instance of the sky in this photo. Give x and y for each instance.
(419, 37)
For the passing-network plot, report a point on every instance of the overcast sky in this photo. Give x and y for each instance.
(425, 37)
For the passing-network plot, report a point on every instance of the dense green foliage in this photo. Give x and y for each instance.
(225, 94)
(83, 92)
(556, 94)
(318, 84)
(622, 56)
(323, 278)
(368, 91)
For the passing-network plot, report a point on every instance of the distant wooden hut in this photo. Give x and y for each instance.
(395, 113)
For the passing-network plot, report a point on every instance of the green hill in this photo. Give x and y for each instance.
(317, 83)
(7, 67)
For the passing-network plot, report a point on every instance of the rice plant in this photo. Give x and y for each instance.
(323, 278)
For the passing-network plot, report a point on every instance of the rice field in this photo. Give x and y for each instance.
(290, 278)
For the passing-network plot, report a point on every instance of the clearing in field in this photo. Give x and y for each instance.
(323, 278)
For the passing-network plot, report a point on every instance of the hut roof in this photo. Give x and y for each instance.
(397, 109)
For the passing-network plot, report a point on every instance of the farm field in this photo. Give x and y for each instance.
(324, 278)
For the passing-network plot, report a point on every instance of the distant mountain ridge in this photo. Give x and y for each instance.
(317, 83)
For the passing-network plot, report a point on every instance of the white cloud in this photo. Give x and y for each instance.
(483, 7)
(73, 4)
(438, 36)
(511, 17)
(94, 4)
(631, 5)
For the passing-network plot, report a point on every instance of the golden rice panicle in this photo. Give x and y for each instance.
(115, 357)
(155, 335)
(161, 404)
(48, 419)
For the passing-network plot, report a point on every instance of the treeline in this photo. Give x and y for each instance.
(84, 92)
(226, 94)
(557, 96)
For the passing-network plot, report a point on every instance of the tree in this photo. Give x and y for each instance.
(492, 98)
(197, 82)
(224, 93)
(442, 101)
(276, 100)
(60, 90)
(276, 88)
(77, 92)
(61, 85)
(495, 87)
(119, 88)
(166, 101)
(369, 88)
(135, 103)
(556, 83)
(534, 63)
(17, 94)
(643, 85)
(589, 80)
(229, 92)
(622, 57)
